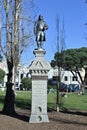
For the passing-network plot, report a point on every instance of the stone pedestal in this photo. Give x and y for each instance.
(39, 70)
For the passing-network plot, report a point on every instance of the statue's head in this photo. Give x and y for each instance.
(40, 17)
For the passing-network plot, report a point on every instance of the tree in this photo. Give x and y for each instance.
(74, 59)
(26, 83)
(60, 42)
(17, 35)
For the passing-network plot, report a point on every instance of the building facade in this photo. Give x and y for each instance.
(23, 71)
(66, 76)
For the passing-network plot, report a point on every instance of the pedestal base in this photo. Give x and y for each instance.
(35, 118)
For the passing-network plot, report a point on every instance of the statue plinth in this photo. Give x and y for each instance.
(39, 71)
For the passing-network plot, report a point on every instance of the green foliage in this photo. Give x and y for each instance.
(2, 74)
(53, 63)
(26, 83)
(71, 58)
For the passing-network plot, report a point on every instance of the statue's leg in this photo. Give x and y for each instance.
(38, 44)
(38, 40)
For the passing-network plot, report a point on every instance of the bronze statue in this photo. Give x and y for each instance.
(39, 31)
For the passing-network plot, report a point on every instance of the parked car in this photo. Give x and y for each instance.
(85, 89)
(63, 87)
(73, 88)
(52, 82)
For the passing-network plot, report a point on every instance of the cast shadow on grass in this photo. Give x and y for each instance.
(74, 112)
(1, 99)
(52, 107)
(20, 103)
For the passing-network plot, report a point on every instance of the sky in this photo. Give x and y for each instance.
(74, 13)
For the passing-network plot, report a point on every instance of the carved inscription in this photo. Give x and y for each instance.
(40, 91)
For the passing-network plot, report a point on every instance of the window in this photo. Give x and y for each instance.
(66, 78)
(21, 76)
(56, 78)
(74, 78)
(27, 75)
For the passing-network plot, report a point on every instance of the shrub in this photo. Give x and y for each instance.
(2, 74)
(26, 83)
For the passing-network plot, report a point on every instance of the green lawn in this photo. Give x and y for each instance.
(23, 100)
(2, 94)
(71, 102)
(75, 102)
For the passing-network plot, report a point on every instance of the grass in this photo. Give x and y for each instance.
(23, 100)
(52, 101)
(2, 95)
(71, 102)
(75, 102)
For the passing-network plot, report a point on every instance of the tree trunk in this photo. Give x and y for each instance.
(9, 101)
(82, 84)
(9, 108)
(57, 102)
